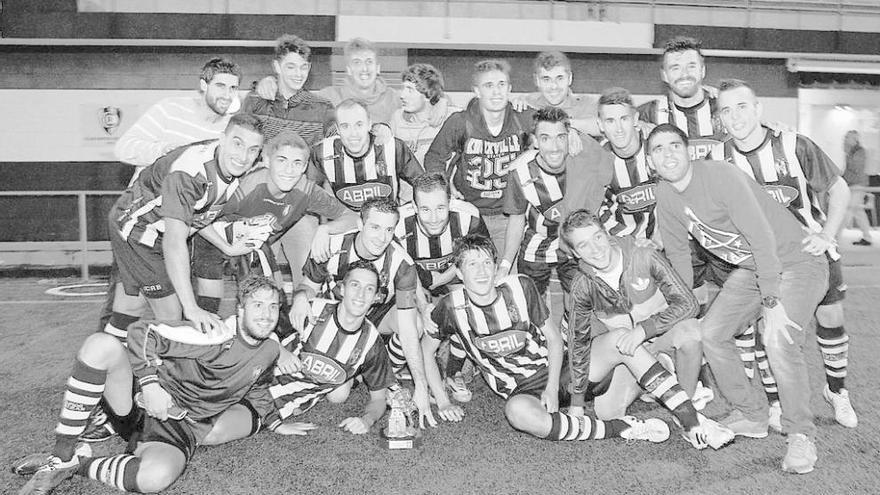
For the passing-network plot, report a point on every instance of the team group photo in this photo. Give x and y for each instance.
(493, 268)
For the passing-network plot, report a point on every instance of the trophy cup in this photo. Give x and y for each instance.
(401, 432)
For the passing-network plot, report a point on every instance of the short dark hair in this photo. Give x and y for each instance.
(285, 138)
(361, 265)
(247, 121)
(576, 220)
(551, 115)
(358, 45)
(488, 65)
(253, 283)
(427, 79)
(219, 66)
(731, 84)
(290, 43)
(382, 205)
(430, 182)
(351, 103)
(551, 59)
(682, 44)
(665, 128)
(616, 96)
(473, 242)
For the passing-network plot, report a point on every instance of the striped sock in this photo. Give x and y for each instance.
(767, 378)
(745, 344)
(570, 427)
(663, 385)
(85, 386)
(118, 471)
(456, 359)
(118, 326)
(834, 345)
(395, 353)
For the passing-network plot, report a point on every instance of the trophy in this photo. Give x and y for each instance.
(401, 432)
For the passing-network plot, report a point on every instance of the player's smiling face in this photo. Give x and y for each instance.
(292, 71)
(359, 291)
(553, 84)
(220, 92)
(552, 141)
(239, 148)
(377, 232)
(740, 112)
(683, 72)
(669, 156)
(477, 273)
(592, 245)
(363, 68)
(618, 124)
(410, 99)
(432, 209)
(493, 90)
(354, 129)
(259, 315)
(286, 166)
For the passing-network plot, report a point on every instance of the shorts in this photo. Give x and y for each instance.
(836, 284)
(209, 262)
(535, 384)
(141, 268)
(539, 271)
(708, 267)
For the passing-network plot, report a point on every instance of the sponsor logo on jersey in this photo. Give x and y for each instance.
(356, 195)
(503, 343)
(700, 148)
(636, 199)
(322, 369)
(434, 264)
(782, 194)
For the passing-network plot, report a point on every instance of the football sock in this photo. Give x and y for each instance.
(118, 326)
(456, 358)
(395, 353)
(834, 345)
(745, 344)
(84, 389)
(209, 304)
(571, 427)
(118, 471)
(663, 385)
(767, 378)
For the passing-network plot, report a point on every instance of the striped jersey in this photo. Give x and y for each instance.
(186, 184)
(628, 207)
(376, 174)
(432, 254)
(504, 339)
(396, 269)
(792, 169)
(304, 113)
(538, 194)
(330, 355)
(700, 122)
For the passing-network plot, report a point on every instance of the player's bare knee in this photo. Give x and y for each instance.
(100, 350)
(519, 412)
(156, 474)
(340, 394)
(830, 315)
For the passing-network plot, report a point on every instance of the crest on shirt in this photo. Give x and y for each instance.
(781, 166)
(513, 313)
(728, 246)
(640, 283)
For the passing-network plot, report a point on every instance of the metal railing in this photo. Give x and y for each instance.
(82, 243)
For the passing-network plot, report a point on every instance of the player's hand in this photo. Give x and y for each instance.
(818, 243)
(321, 244)
(288, 362)
(157, 401)
(575, 145)
(383, 133)
(428, 324)
(203, 320)
(777, 325)
(576, 410)
(295, 428)
(519, 103)
(300, 312)
(630, 340)
(437, 116)
(239, 247)
(550, 401)
(423, 404)
(450, 412)
(267, 88)
(356, 426)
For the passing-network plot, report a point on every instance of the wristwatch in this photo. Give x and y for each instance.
(770, 302)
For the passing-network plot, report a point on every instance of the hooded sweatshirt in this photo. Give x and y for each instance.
(381, 101)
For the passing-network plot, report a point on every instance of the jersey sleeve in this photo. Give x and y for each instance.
(408, 165)
(580, 338)
(443, 317)
(515, 202)
(315, 170)
(261, 400)
(376, 369)
(144, 142)
(149, 342)
(538, 312)
(314, 271)
(478, 226)
(820, 171)
(680, 300)
(180, 192)
(446, 145)
(406, 280)
(321, 202)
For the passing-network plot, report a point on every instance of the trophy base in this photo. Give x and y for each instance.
(400, 443)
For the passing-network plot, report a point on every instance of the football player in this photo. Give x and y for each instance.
(505, 328)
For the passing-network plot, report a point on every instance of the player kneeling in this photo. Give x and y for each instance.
(620, 283)
(169, 363)
(505, 328)
(339, 345)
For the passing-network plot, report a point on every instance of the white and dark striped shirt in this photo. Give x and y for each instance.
(700, 122)
(533, 191)
(628, 208)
